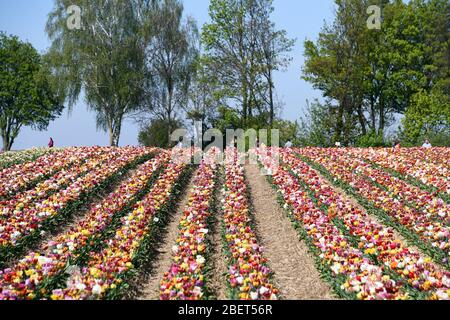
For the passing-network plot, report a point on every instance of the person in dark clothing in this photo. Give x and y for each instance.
(51, 143)
(397, 145)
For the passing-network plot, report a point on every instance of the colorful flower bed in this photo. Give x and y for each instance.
(411, 163)
(438, 156)
(11, 158)
(249, 276)
(350, 272)
(20, 177)
(108, 269)
(186, 279)
(427, 233)
(378, 241)
(26, 279)
(431, 205)
(89, 160)
(15, 230)
(376, 222)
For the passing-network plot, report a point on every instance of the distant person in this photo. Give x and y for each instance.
(51, 143)
(179, 144)
(233, 143)
(397, 145)
(427, 144)
(288, 144)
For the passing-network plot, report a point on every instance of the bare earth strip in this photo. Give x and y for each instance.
(150, 288)
(295, 273)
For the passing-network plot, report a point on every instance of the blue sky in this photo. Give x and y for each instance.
(27, 18)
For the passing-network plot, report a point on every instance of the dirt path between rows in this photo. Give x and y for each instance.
(163, 261)
(295, 273)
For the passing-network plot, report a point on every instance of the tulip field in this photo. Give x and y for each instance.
(88, 223)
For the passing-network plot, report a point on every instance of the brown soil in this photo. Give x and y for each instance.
(295, 273)
(150, 288)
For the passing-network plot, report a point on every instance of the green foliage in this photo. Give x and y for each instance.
(441, 138)
(105, 58)
(27, 97)
(336, 65)
(373, 75)
(204, 98)
(289, 130)
(173, 53)
(428, 115)
(316, 127)
(155, 134)
(371, 140)
(242, 51)
(227, 119)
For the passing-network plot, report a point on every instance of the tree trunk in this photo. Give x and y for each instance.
(272, 111)
(169, 119)
(116, 140)
(372, 114)
(6, 144)
(244, 103)
(243, 66)
(117, 131)
(347, 123)
(169, 131)
(362, 120)
(111, 136)
(6, 133)
(382, 122)
(9, 135)
(339, 123)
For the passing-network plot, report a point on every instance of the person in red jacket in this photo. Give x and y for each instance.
(50, 143)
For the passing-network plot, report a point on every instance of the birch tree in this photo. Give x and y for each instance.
(104, 57)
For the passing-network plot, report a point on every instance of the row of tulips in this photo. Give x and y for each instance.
(431, 205)
(186, 278)
(18, 229)
(27, 278)
(249, 276)
(409, 164)
(432, 232)
(108, 269)
(23, 176)
(377, 240)
(22, 202)
(11, 158)
(437, 155)
(351, 273)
